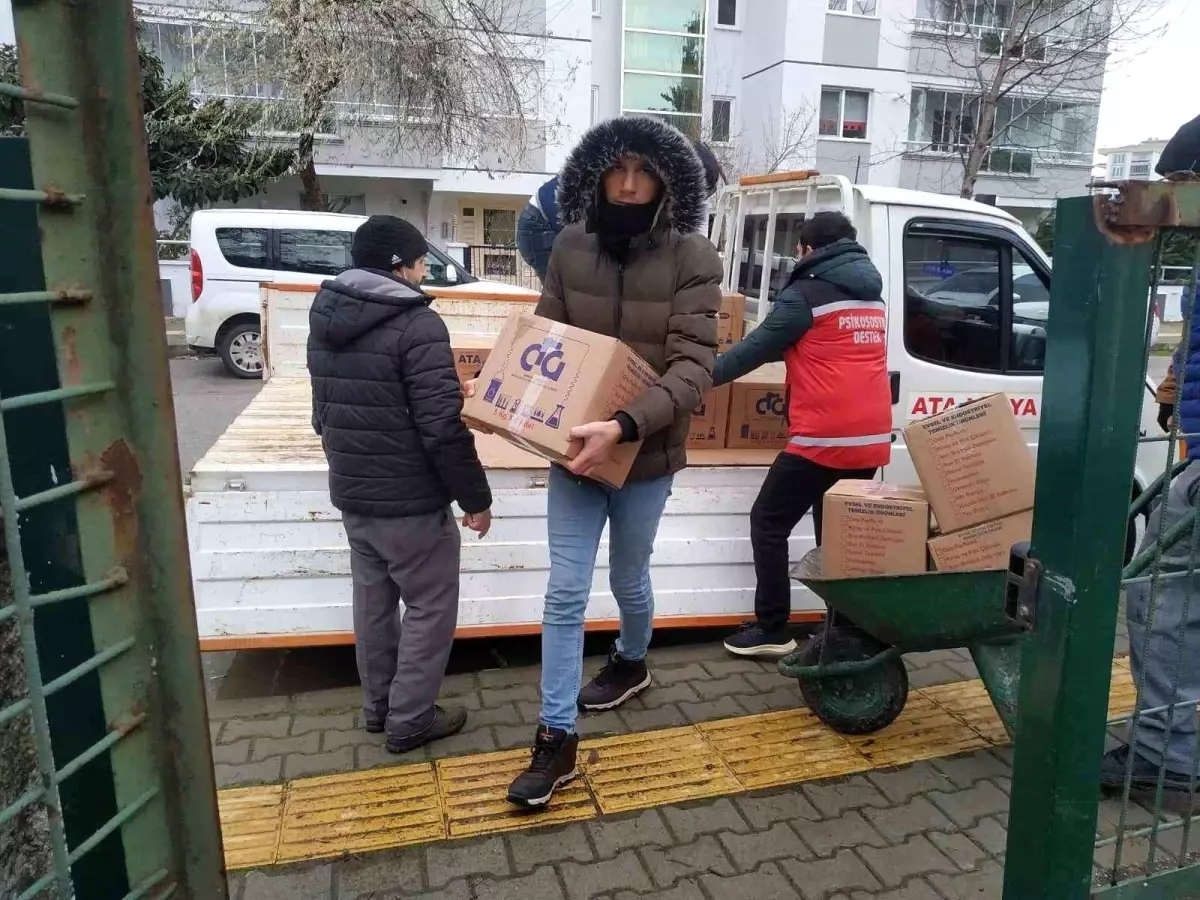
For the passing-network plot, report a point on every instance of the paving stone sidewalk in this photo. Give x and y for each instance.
(268, 739)
(930, 831)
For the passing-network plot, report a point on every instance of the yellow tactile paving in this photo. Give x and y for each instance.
(339, 814)
(924, 731)
(314, 818)
(970, 702)
(654, 768)
(782, 748)
(473, 788)
(250, 820)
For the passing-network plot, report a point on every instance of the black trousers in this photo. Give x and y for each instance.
(793, 486)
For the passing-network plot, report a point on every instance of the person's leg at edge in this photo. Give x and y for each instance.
(423, 555)
(376, 603)
(792, 487)
(634, 515)
(576, 512)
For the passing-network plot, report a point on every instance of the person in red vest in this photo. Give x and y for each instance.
(829, 326)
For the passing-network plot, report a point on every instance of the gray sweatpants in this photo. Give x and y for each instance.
(402, 658)
(1171, 677)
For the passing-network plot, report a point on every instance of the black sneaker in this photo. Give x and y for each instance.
(1144, 773)
(752, 640)
(373, 726)
(552, 766)
(618, 681)
(445, 722)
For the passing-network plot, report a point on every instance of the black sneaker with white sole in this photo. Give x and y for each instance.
(619, 680)
(552, 766)
(752, 640)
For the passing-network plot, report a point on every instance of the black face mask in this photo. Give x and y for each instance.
(619, 223)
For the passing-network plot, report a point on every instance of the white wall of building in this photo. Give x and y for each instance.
(8, 34)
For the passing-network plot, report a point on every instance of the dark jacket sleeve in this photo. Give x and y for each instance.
(788, 321)
(691, 339)
(435, 399)
(553, 304)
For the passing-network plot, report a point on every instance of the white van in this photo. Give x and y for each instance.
(235, 251)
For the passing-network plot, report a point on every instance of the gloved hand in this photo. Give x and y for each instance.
(1165, 410)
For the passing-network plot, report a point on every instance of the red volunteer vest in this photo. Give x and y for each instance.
(840, 397)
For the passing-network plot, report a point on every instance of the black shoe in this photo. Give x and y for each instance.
(752, 640)
(552, 766)
(373, 727)
(618, 681)
(445, 722)
(1144, 773)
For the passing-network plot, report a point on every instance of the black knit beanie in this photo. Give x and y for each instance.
(387, 243)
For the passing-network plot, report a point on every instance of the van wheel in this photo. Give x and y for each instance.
(240, 348)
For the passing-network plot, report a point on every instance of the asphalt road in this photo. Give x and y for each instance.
(207, 400)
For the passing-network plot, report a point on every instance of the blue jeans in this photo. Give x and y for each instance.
(535, 239)
(578, 509)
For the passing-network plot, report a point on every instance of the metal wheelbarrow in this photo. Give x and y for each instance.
(852, 674)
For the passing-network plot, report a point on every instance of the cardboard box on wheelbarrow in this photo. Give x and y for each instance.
(543, 378)
(870, 528)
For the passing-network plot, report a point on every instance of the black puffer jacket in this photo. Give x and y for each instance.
(387, 402)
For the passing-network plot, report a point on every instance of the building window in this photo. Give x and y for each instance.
(727, 13)
(499, 227)
(1052, 131)
(855, 7)
(722, 119)
(595, 103)
(1139, 166)
(596, 7)
(663, 54)
(1116, 165)
(844, 113)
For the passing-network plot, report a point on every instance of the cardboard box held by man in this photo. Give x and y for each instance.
(542, 378)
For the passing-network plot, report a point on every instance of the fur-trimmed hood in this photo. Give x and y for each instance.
(665, 148)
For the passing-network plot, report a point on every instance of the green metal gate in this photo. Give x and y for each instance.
(113, 693)
(1105, 262)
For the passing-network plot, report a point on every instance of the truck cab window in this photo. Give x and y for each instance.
(973, 301)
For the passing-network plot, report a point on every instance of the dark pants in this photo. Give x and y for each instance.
(402, 656)
(793, 486)
(535, 239)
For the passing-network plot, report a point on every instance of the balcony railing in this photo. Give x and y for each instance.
(1017, 161)
(992, 39)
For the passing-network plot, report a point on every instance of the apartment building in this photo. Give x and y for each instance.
(875, 90)
(1133, 162)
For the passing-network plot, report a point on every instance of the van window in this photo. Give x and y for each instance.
(973, 302)
(314, 252)
(783, 256)
(244, 247)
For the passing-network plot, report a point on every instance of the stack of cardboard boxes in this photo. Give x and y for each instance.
(749, 414)
(977, 479)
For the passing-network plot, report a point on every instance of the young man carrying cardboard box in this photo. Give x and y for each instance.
(631, 265)
(829, 327)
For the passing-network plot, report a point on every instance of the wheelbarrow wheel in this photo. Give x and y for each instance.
(859, 703)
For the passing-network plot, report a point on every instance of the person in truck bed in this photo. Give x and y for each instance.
(630, 264)
(829, 326)
(387, 405)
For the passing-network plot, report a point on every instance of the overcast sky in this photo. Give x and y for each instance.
(1150, 89)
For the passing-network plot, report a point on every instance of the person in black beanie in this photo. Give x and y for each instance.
(388, 407)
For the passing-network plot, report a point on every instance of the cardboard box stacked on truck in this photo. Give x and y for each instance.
(977, 478)
(758, 410)
(710, 419)
(543, 378)
(978, 474)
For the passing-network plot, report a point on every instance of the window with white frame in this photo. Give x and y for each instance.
(595, 104)
(1116, 165)
(854, 7)
(1139, 166)
(722, 119)
(844, 113)
(727, 13)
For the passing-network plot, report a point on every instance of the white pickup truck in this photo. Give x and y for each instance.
(270, 564)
